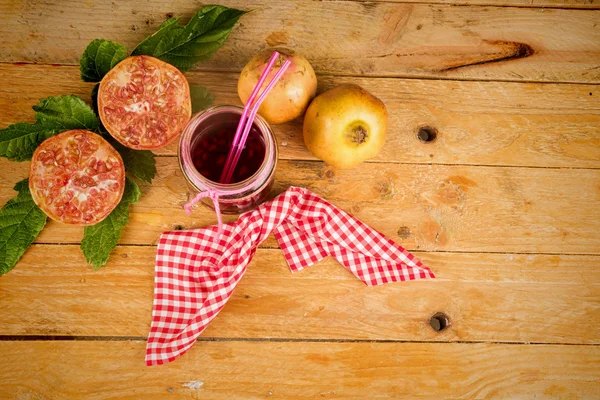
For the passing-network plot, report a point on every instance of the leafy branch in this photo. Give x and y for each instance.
(21, 220)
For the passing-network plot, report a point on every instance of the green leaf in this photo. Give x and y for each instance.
(65, 113)
(53, 115)
(201, 98)
(21, 186)
(184, 46)
(148, 45)
(21, 221)
(138, 163)
(100, 239)
(19, 141)
(100, 57)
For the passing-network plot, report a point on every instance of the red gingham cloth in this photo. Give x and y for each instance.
(196, 273)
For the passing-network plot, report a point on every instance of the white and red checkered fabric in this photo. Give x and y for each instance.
(196, 270)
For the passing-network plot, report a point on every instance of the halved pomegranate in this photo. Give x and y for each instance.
(144, 102)
(77, 177)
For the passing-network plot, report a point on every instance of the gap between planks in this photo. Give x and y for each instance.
(50, 338)
(430, 163)
(267, 247)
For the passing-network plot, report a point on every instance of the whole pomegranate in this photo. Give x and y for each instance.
(345, 126)
(290, 96)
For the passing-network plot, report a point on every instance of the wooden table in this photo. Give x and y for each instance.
(503, 206)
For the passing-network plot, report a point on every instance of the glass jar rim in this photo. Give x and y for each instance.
(200, 181)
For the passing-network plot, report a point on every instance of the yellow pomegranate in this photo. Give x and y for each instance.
(290, 96)
(345, 126)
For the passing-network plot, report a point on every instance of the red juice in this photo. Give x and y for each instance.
(210, 152)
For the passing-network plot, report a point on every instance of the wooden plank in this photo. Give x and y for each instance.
(492, 123)
(107, 370)
(378, 39)
(427, 207)
(488, 297)
(585, 4)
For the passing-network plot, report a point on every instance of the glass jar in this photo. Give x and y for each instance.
(237, 197)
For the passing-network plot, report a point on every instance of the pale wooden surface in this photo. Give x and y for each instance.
(489, 297)
(298, 370)
(450, 208)
(478, 123)
(587, 4)
(503, 206)
(357, 38)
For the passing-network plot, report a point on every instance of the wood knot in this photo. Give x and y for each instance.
(404, 232)
(427, 134)
(439, 322)
(385, 190)
(277, 38)
(522, 50)
(327, 173)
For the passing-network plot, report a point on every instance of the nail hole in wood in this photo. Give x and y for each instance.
(427, 134)
(439, 322)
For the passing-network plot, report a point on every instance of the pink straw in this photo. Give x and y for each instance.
(241, 124)
(241, 135)
(253, 113)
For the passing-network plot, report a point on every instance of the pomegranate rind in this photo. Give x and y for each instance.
(144, 102)
(76, 177)
(291, 95)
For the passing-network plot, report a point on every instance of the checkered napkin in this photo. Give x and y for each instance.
(197, 270)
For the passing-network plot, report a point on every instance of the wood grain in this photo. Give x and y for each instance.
(514, 172)
(488, 297)
(257, 370)
(585, 4)
(436, 207)
(375, 39)
(491, 123)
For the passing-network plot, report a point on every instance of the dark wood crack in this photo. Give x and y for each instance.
(511, 51)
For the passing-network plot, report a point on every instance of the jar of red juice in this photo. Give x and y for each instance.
(203, 149)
